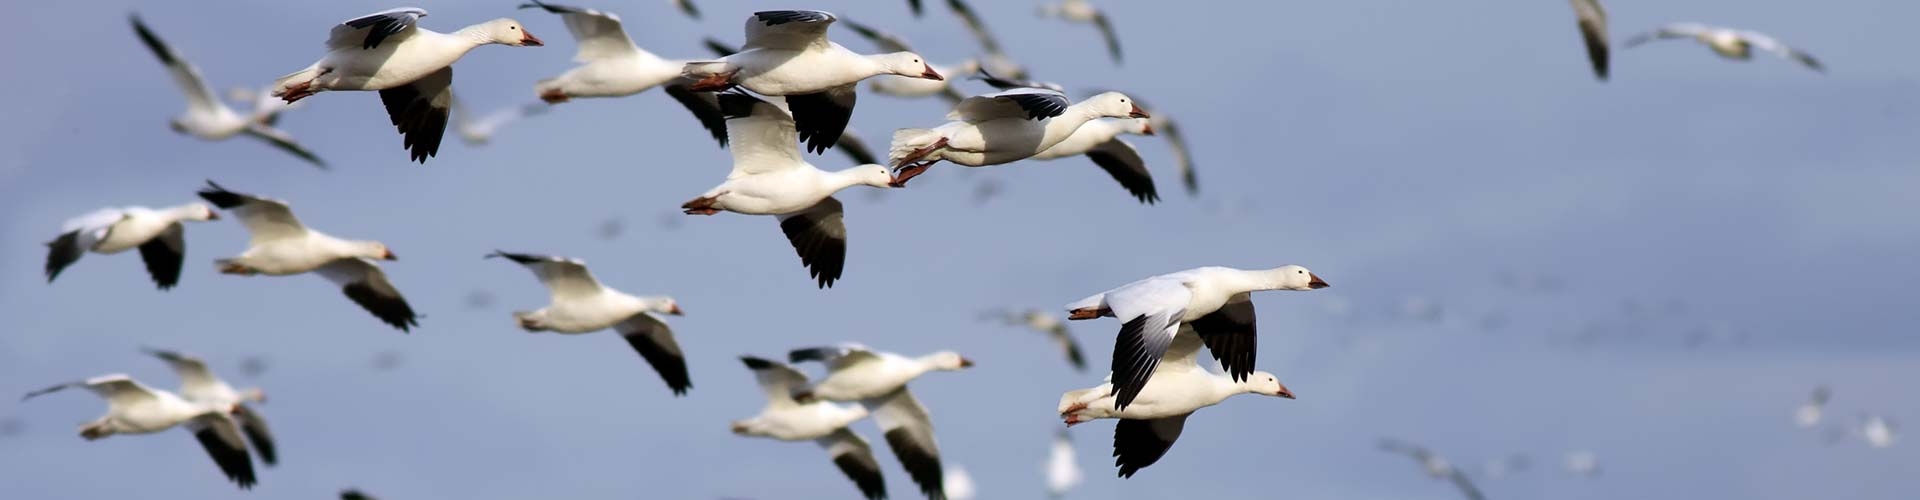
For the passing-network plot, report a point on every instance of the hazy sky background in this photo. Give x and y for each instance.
(1400, 149)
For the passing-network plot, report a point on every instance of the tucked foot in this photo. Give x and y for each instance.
(297, 92)
(554, 96)
(921, 153)
(702, 205)
(93, 432)
(230, 267)
(1087, 313)
(803, 397)
(713, 83)
(1072, 420)
(1075, 408)
(910, 171)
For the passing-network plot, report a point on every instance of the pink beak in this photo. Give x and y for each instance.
(1147, 130)
(675, 310)
(528, 40)
(1137, 112)
(389, 255)
(930, 74)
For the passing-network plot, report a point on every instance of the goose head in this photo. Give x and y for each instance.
(255, 394)
(664, 305)
(1139, 126)
(1298, 278)
(198, 212)
(506, 31)
(948, 361)
(1115, 105)
(907, 64)
(1266, 384)
(373, 250)
(873, 175)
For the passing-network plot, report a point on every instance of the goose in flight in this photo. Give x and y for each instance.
(158, 234)
(134, 408)
(282, 246)
(1729, 43)
(199, 385)
(878, 381)
(611, 65)
(822, 422)
(412, 68)
(581, 304)
(207, 117)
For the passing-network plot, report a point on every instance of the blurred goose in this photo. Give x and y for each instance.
(788, 54)
(1215, 300)
(1100, 141)
(1593, 31)
(1001, 127)
(1163, 126)
(771, 177)
(958, 483)
(1435, 466)
(1582, 463)
(1878, 431)
(1728, 43)
(411, 67)
(355, 494)
(900, 86)
(206, 116)
(158, 234)
(686, 7)
(996, 60)
(1083, 11)
(1807, 416)
(478, 130)
(1063, 470)
(581, 304)
(282, 246)
(1055, 330)
(1148, 428)
(822, 422)
(134, 408)
(878, 380)
(612, 66)
(199, 385)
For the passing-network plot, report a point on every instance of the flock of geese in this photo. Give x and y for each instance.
(787, 92)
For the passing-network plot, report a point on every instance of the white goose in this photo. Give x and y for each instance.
(581, 304)
(900, 86)
(1593, 31)
(1435, 466)
(612, 66)
(282, 246)
(818, 421)
(1052, 327)
(199, 385)
(1083, 11)
(959, 484)
(1878, 431)
(478, 130)
(1180, 387)
(1001, 127)
(1727, 42)
(788, 54)
(1214, 299)
(411, 67)
(771, 177)
(1100, 141)
(208, 118)
(1063, 470)
(878, 380)
(1807, 416)
(158, 234)
(133, 408)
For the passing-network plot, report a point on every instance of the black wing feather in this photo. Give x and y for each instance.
(1136, 445)
(1230, 335)
(1136, 353)
(711, 117)
(234, 463)
(62, 252)
(391, 310)
(821, 117)
(421, 125)
(163, 260)
(669, 363)
(865, 473)
(923, 467)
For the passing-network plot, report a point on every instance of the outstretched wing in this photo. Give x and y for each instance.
(370, 30)
(788, 29)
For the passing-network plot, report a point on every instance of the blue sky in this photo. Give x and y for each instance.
(1400, 149)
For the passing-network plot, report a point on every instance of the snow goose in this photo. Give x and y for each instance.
(199, 385)
(478, 130)
(1163, 126)
(900, 86)
(770, 177)
(281, 246)
(1148, 428)
(788, 54)
(686, 7)
(581, 304)
(1001, 127)
(207, 117)
(1807, 416)
(1728, 43)
(1215, 300)
(1878, 431)
(1063, 469)
(1055, 330)
(411, 67)
(134, 408)
(878, 380)
(1083, 11)
(1593, 31)
(822, 422)
(1100, 141)
(850, 142)
(158, 234)
(1435, 466)
(612, 66)
(996, 60)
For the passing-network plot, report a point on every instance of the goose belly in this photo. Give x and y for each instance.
(804, 423)
(383, 68)
(586, 317)
(129, 233)
(995, 142)
(613, 78)
(896, 85)
(143, 420)
(770, 194)
(285, 258)
(786, 72)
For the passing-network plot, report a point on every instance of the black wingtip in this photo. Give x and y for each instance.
(756, 363)
(809, 354)
(516, 257)
(219, 196)
(734, 104)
